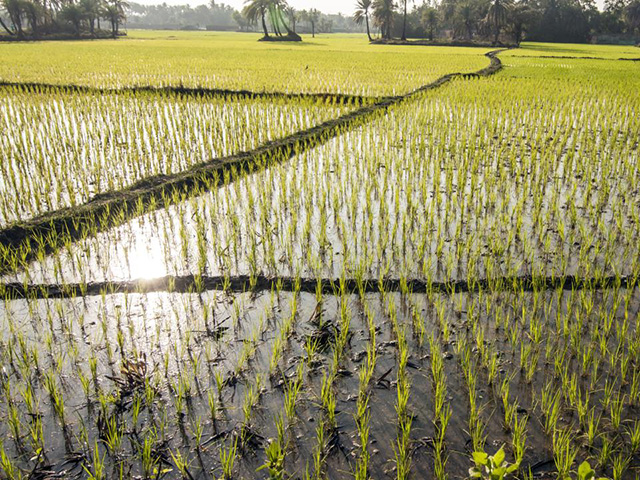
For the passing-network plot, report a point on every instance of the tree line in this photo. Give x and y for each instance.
(508, 21)
(496, 20)
(58, 18)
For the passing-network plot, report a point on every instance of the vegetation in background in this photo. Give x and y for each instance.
(33, 19)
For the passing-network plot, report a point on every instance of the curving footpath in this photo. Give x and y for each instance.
(331, 98)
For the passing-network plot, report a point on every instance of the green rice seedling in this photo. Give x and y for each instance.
(228, 459)
(564, 452)
(311, 349)
(10, 470)
(606, 450)
(181, 464)
(219, 382)
(13, 420)
(593, 427)
(519, 437)
(551, 407)
(620, 465)
(329, 400)
(319, 452)
(291, 393)
(114, 433)
(148, 457)
(615, 410)
(274, 465)
(633, 433)
(197, 430)
(97, 470)
(250, 399)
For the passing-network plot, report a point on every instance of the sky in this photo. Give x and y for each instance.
(326, 6)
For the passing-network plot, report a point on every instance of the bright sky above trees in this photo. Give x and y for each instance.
(326, 6)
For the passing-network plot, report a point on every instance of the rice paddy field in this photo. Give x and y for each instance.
(387, 280)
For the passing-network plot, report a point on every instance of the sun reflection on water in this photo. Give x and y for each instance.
(146, 261)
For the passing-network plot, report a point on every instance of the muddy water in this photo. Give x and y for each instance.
(189, 338)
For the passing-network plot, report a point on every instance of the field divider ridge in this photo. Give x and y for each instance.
(198, 92)
(244, 283)
(49, 231)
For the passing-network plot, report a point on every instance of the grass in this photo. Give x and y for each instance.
(529, 174)
(339, 63)
(63, 149)
(536, 49)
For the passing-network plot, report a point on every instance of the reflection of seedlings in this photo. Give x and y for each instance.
(213, 408)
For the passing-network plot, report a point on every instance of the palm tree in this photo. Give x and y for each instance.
(312, 16)
(3, 25)
(14, 10)
(465, 18)
(257, 9)
(292, 13)
(92, 11)
(383, 16)
(114, 13)
(521, 16)
(362, 14)
(404, 20)
(497, 16)
(430, 20)
(74, 15)
(632, 15)
(33, 12)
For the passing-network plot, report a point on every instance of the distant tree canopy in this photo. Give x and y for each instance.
(185, 17)
(219, 16)
(501, 20)
(466, 20)
(40, 18)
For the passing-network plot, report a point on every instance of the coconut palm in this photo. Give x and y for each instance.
(362, 14)
(255, 10)
(114, 13)
(465, 19)
(277, 10)
(92, 11)
(430, 20)
(632, 15)
(292, 13)
(312, 16)
(74, 15)
(383, 16)
(404, 20)
(497, 16)
(522, 15)
(14, 9)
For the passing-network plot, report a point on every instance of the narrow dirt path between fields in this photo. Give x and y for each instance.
(243, 283)
(51, 230)
(331, 98)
